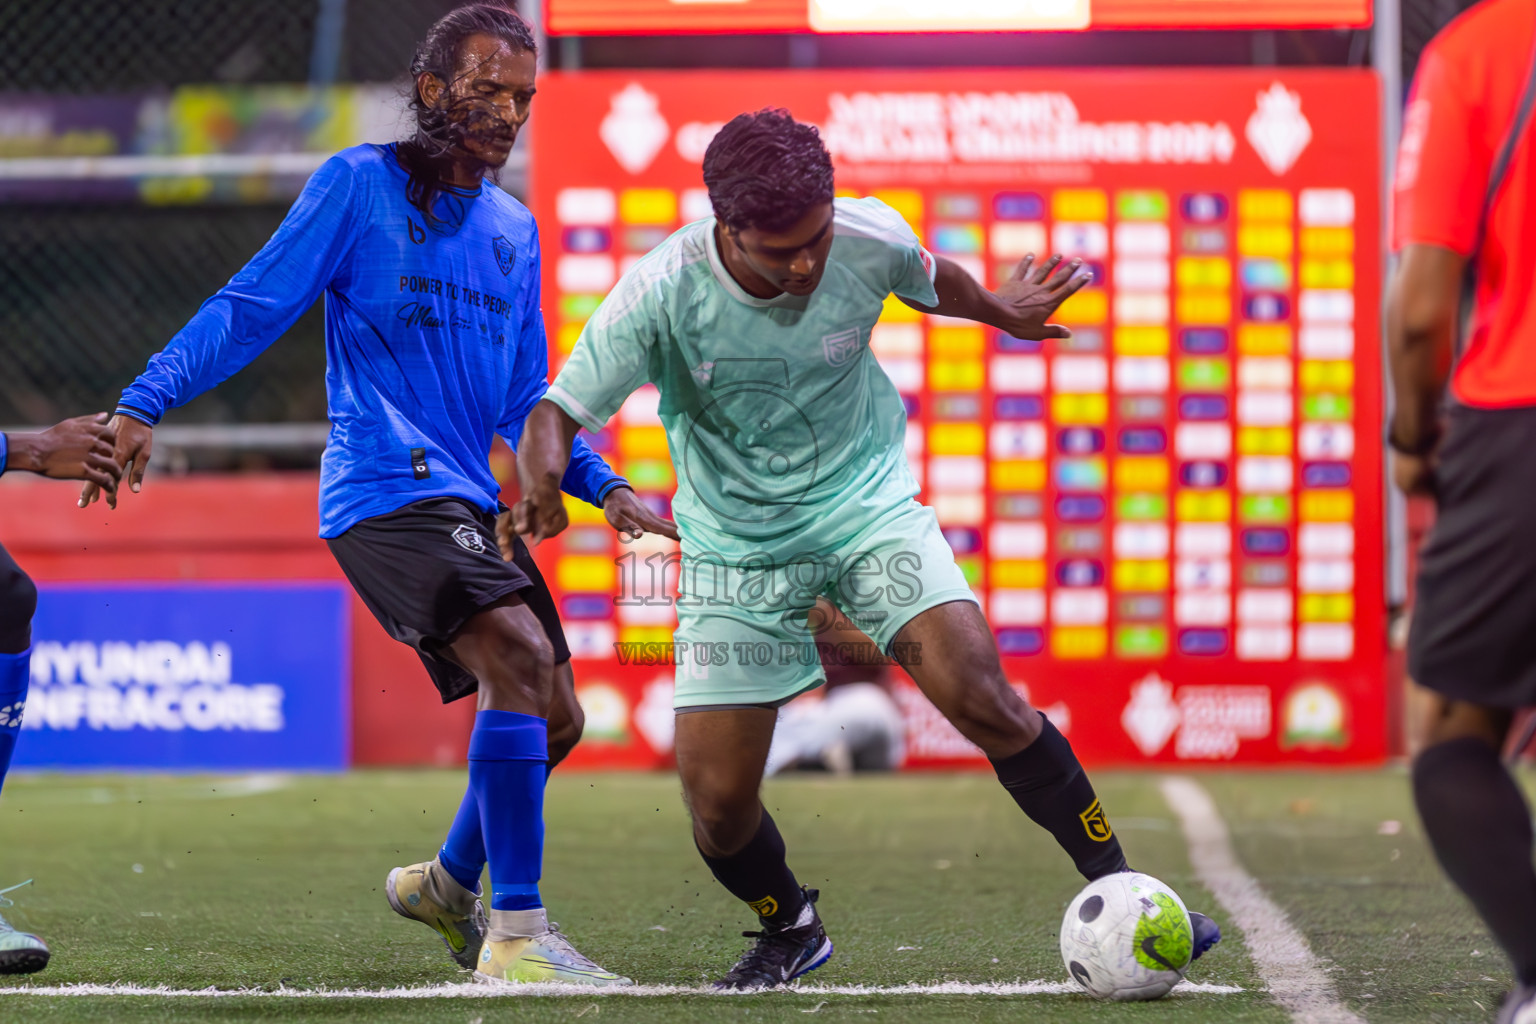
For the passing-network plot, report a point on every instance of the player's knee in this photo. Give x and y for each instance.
(18, 595)
(723, 821)
(720, 837)
(522, 664)
(989, 703)
(1440, 719)
(18, 603)
(564, 736)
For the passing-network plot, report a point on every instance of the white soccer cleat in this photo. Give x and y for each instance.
(549, 957)
(20, 952)
(426, 893)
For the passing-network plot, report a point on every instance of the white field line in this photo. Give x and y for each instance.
(1280, 954)
(473, 991)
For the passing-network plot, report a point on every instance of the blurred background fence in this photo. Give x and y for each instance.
(102, 46)
(94, 279)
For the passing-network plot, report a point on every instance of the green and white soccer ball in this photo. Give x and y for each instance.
(1127, 937)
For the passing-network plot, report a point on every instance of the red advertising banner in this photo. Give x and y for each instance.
(1173, 519)
(643, 17)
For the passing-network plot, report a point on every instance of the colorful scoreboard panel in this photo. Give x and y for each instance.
(1172, 518)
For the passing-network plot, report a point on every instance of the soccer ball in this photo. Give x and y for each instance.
(1127, 937)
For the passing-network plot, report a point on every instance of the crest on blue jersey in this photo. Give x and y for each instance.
(506, 256)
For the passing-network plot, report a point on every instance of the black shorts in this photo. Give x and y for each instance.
(426, 569)
(1473, 636)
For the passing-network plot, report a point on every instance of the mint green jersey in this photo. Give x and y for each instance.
(781, 424)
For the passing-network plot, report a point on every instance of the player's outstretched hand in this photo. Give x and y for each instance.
(76, 449)
(539, 515)
(1033, 293)
(134, 440)
(630, 516)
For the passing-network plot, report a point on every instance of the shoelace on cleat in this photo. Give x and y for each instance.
(4, 902)
(556, 938)
(759, 963)
(6, 926)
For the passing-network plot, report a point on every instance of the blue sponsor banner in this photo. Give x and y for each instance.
(189, 676)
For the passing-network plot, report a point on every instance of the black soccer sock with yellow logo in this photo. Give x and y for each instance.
(1049, 784)
(758, 875)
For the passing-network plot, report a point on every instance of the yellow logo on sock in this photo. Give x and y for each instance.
(765, 907)
(1096, 824)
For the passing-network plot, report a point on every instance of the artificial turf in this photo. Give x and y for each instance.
(268, 883)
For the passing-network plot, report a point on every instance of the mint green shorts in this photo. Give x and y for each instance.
(742, 636)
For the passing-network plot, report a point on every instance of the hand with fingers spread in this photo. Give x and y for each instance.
(134, 440)
(631, 517)
(1033, 293)
(76, 449)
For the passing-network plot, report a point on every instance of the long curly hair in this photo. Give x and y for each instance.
(442, 128)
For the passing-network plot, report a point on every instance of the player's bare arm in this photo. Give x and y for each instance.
(542, 455)
(626, 513)
(1021, 305)
(76, 449)
(1422, 308)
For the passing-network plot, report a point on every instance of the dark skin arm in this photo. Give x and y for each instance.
(542, 456)
(1423, 304)
(1021, 305)
(76, 449)
(623, 509)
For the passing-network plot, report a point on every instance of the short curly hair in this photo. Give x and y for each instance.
(765, 170)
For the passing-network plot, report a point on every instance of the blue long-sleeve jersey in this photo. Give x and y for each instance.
(434, 339)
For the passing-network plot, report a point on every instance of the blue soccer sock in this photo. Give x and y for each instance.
(15, 673)
(463, 852)
(508, 753)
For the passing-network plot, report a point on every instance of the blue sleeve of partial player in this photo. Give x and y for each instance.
(5, 452)
(587, 476)
(259, 303)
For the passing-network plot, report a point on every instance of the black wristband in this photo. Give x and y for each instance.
(135, 413)
(1425, 445)
(609, 488)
